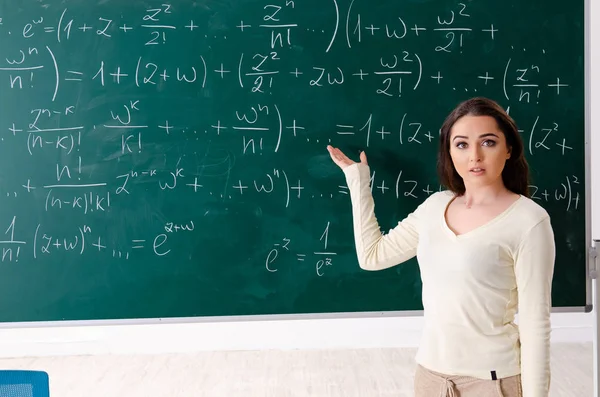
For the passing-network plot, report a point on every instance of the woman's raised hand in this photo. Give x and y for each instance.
(341, 159)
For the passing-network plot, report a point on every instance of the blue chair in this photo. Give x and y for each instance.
(14, 383)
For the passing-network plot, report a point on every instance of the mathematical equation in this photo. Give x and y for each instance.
(184, 107)
(396, 74)
(323, 258)
(393, 74)
(44, 243)
(277, 184)
(252, 129)
(254, 126)
(14, 243)
(277, 19)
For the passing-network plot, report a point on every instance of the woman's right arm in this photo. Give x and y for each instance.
(375, 250)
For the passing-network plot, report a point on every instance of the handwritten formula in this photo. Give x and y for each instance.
(134, 131)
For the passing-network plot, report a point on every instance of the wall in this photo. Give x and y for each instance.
(251, 335)
(283, 334)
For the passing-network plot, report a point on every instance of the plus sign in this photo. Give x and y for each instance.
(558, 85)
(546, 194)
(294, 127)
(118, 75)
(240, 187)
(221, 71)
(299, 188)
(361, 74)
(28, 186)
(242, 26)
(56, 244)
(576, 199)
(84, 27)
(429, 136)
(564, 146)
(125, 28)
(427, 190)
(382, 187)
(166, 127)
(486, 77)
(416, 29)
(372, 29)
(491, 30)
(218, 127)
(164, 75)
(296, 73)
(195, 184)
(191, 26)
(438, 77)
(383, 133)
(14, 130)
(99, 244)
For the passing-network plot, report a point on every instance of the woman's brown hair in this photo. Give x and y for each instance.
(515, 174)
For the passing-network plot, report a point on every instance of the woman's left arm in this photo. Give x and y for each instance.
(534, 269)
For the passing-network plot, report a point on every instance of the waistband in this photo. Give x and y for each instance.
(448, 383)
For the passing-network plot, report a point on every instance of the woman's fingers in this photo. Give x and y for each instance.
(337, 154)
(333, 153)
(363, 157)
(339, 157)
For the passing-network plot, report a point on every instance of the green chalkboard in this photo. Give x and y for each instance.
(166, 160)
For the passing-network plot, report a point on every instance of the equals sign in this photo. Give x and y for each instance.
(77, 74)
(137, 242)
(301, 257)
(344, 189)
(344, 127)
(49, 29)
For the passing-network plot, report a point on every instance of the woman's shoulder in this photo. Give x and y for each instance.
(438, 199)
(442, 196)
(526, 216)
(531, 210)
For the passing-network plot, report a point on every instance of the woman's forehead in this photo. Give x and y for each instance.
(474, 126)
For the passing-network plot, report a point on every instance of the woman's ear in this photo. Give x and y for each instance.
(508, 153)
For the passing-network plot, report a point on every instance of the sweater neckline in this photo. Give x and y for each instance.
(476, 230)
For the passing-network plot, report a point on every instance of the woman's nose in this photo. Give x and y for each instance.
(475, 155)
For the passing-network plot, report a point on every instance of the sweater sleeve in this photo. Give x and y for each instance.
(534, 268)
(375, 250)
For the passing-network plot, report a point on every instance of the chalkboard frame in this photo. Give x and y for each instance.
(376, 314)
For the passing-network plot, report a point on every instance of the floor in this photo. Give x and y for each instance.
(327, 373)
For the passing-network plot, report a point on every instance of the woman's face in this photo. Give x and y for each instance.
(478, 150)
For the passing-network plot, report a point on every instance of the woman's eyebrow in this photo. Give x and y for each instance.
(480, 136)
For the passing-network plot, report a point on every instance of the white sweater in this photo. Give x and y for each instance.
(473, 283)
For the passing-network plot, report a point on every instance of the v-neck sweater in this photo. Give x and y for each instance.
(473, 283)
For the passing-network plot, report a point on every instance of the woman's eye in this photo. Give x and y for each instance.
(489, 142)
(461, 145)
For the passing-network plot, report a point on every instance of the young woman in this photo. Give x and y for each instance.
(484, 249)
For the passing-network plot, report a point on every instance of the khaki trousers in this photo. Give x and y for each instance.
(434, 384)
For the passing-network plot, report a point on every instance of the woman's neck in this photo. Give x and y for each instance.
(484, 195)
